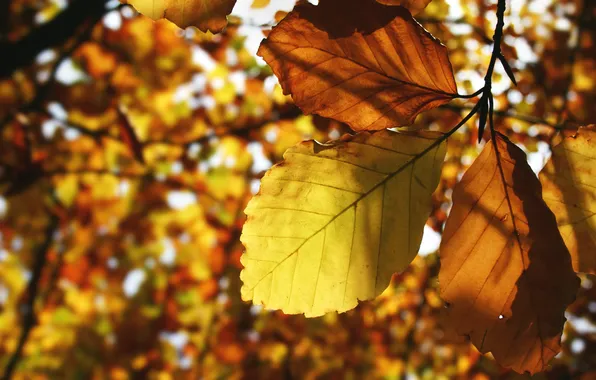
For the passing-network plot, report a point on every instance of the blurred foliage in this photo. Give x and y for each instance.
(146, 142)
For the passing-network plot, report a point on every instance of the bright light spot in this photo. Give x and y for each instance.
(17, 243)
(112, 263)
(133, 281)
(238, 79)
(256, 309)
(3, 295)
(112, 4)
(3, 255)
(179, 200)
(46, 56)
(430, 241)
(231, 57)
(524, 51)
(514, 96)
(128, 12)
(592, 307)
(3, 207)
(578, 346)
(260, 161)
(112, 20)
(581, 324)
(271, 135)
(168, 255)
(501, 316)
(255, 185)
(71, 134)
(269, 84)
(183, 93)
(176, 168)
(222, 298)
(201, 58)
(334, 134)
(57, 111)
(217, 83)
(199, 82)
(68, 73)
(49, 128)
(177, 339)
(224, 283)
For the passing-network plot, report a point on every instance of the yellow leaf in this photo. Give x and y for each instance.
(505, 273)
(372, 72)
(413, 6)
(204, 14)
(569, 189)
(333, 222)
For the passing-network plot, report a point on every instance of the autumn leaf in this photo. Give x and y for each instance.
(333, 222)
(505, 272)
(569, 189)
(413, 6)
(129, 136)
(359, 62)
(204, 14)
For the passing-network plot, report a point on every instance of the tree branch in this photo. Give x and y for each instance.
(55, 32)
(29, 319)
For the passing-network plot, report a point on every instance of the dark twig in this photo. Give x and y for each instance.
(56, 32)
(29, 319)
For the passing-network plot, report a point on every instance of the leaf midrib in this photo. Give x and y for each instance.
(436, 143)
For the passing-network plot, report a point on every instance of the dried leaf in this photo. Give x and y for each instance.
(204, 14)
(359, 62)
(333, 222)
(129, 137)
(505, 272)
(569, 189)
(413, 6)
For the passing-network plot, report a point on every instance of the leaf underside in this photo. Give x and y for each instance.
(332, 223)
(505, 273)
(569, 189)
(207, 15)
(362, 63)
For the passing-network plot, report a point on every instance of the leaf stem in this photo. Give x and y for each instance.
(472, 95)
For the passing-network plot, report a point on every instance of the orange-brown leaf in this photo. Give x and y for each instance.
(569, 189)
(505, 272)
(413, 6)
(369, 65)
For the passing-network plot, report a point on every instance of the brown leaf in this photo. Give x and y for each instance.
(569, 189)
(505, 272)
(204, 14)
(359, 62)
(129, 137)
(413, 6)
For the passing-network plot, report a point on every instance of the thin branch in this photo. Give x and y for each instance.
(43, 89)
(53, 33)
(508, 114)
(29, 319)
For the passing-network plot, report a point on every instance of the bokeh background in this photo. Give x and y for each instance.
(129, 150)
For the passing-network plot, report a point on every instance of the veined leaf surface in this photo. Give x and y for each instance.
(569, 189)
(505, 272)
(204, 14)
(332, 223)
(360, 62)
